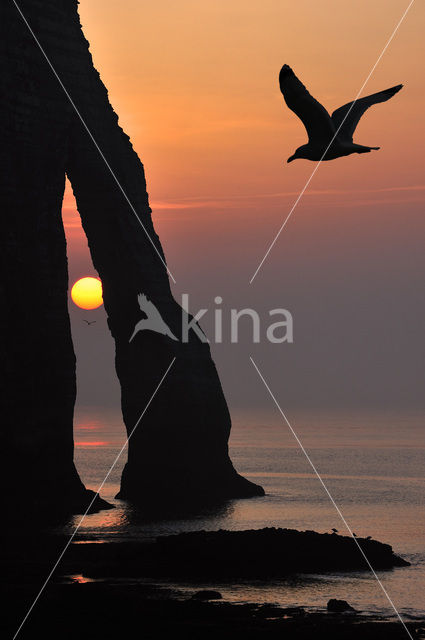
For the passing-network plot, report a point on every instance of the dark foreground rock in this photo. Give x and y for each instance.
(339, 606)
(209, 555)
(102, 590)
(201, 557)
(95, 611)
(273, 552)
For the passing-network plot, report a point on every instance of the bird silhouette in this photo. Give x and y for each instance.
(89, 322)
(334, 530)
(321, 127)
(153, 322)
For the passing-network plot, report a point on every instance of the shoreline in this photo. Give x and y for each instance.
(101, 610)
(109, 589)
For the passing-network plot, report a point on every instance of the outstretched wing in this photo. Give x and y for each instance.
(353, 111)
(313, 115)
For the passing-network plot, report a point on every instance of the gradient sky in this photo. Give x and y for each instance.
(195, 85)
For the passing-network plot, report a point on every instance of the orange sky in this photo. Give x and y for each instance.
(195, 84)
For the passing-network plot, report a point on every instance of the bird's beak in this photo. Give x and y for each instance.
(291, 158)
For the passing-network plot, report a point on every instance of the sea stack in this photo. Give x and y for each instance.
(179, 451)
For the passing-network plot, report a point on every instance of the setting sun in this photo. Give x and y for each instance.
(87, 293)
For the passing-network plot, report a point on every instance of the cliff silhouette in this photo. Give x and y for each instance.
(179, 451)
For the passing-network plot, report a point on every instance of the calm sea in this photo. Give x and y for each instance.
(372, 464)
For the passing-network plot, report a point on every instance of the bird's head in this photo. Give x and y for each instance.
(301, 152)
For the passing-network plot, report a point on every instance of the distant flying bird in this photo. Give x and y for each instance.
(154, 321)
(89, 322)
(321, 127)
(334, 530)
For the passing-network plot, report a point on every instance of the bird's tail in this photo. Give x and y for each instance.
(360, 148)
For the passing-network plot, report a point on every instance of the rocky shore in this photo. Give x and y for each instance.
(108, 590)
(99, 610)
(229, 555)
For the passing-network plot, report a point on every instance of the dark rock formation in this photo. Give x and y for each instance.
(180, 449)
(95, 611)
(339, 606)
(37, 366)
(208, 556)
(270, 552)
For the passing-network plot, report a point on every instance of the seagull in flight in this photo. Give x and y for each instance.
(89, 322)
(321, 127)
(153, 322)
